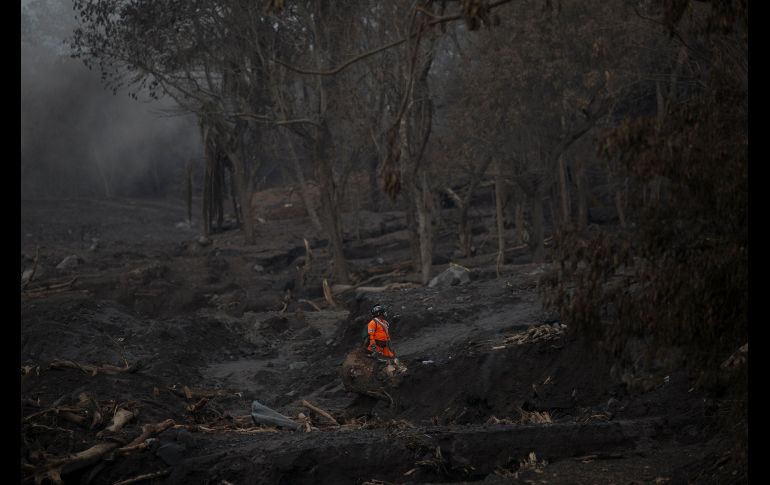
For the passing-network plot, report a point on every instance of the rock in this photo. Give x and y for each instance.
(69, 262)
(26, 275)
(454, 275)
(185, 437)
(204, 241)
(262, 414)
(171, 453)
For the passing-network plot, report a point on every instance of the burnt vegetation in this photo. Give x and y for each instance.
(552, 195)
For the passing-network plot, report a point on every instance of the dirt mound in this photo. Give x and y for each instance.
(363, 374)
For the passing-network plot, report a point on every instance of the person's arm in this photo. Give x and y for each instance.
(371, 328)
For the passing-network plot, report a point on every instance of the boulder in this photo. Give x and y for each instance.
(454, 275)
(69, 262)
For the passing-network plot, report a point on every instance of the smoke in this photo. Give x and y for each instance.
(78, 139)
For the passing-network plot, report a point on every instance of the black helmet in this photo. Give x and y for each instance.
(378, 310)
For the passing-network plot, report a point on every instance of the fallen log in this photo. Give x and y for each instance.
(302, 300)
(198, 405)
(54, 469)
(142, 478)
(53, 287)
(320, 412)
(198, 393)
(95, 369)
(121, 417)
(149, 430)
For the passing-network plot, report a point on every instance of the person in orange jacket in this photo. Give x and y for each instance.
(378, 330)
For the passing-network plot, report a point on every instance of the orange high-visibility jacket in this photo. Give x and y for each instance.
(379, 337)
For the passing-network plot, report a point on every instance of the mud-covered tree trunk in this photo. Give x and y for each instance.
(564, 196)
(499, 216)
(464, 203)
(206, 202)
(218, 193)
(582, 194)
(189, 189)
(411, 224)
(243, 185)
(521, 235)
(464, 231)
(537, 240)
(234, 198)
(329, 203)
(425, 227)
(304, 193)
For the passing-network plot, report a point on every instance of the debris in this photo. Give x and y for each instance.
(534, 417)
(198, 405)
(320, 412)
(328, 293)
(533, 334)
(738, 358)
(262, 414)
(121, 417)
(363, 375)
(51, 287)
(197, 393)
(494, 420)
(316, 307)
(144, 477)
(95, 369)
(532, 463)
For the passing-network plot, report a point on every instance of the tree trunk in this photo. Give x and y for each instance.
(425, 228)
(411, 223)
(499, 216)
(536, 242)
(619, 206)
(218, 193)
(521, 234)
(566, 211)
(189, 191)
(582, 194)
(303, 190)
(330, 204)
(464, 231)
(242, 182)
(206, 203)
(234, 198)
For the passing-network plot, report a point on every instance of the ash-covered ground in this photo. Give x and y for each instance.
(148, 323)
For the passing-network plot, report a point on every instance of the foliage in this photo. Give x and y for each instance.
(678, 274)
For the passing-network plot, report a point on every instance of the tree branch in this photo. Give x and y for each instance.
(436, 20)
